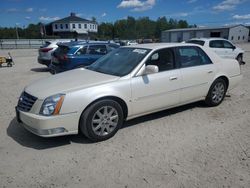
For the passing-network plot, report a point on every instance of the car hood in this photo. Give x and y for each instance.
(68, 81)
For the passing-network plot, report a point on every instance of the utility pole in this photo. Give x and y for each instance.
(17, 35)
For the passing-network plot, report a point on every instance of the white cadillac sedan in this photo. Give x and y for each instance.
(124, 84)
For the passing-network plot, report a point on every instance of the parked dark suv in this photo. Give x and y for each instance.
(78, 54)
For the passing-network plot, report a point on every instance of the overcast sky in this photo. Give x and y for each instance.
(200, 12)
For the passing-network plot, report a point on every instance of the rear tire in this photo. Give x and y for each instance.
(216, 93)
(101, 120)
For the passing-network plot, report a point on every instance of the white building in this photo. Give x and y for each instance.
(236, 34)
(73, 25)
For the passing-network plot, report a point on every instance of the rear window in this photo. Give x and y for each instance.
(63, 50)
(199, 42)
(47, 43)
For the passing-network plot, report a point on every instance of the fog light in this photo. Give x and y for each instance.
(56, 130)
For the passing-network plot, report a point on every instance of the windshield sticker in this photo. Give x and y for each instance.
(140, 51)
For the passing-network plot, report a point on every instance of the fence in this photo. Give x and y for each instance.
(24, 43)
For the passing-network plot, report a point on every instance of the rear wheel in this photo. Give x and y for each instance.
(101, 120)
(216, 93)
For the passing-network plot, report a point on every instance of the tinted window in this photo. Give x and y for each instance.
(97, 49)
(227, 44)
(82, 51)
(216, 44)
(199, 42)
(164, 59)
(113, 46)
(192, 56)
(47, 43)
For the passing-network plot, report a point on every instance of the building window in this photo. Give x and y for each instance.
(85, 26)
(61, 26)
(243, 37)
(238, 37)
(79, 26)
(232, 38)
(55, 26)
(74, 26)
(66, 26)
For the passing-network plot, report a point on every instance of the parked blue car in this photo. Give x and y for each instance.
(73, 55)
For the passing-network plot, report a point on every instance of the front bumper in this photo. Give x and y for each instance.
(49, 126)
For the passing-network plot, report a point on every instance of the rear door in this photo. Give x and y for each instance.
(81, 57)
(197, 71)
(96, 51)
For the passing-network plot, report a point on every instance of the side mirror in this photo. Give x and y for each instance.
(150, 69)
(234, 47)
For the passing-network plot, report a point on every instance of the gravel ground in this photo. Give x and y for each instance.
(189, 146)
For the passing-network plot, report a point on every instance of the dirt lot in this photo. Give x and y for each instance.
(190, 146)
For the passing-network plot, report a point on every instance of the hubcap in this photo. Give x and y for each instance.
(105, 120)
(218, 92)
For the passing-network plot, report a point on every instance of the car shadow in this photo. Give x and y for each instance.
(27, 139)
(40, 69)
(30, 140)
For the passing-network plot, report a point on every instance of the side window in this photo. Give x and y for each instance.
(216, 44)
(82, 51)
(192, 56)
(97, 49)
(164, 59)
(227, 44)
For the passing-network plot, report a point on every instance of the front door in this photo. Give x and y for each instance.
(160, 90)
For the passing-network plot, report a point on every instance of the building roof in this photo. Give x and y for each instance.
(204, 28)
(73, 19)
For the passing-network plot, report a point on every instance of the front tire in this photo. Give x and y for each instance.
(216, 93)
(101, 120)
(239, 58)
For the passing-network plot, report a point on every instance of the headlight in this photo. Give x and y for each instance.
(52, 105)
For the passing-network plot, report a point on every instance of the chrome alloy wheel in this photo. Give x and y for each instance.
(105, 120)
(218, 92)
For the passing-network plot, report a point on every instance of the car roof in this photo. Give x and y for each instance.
(81, 43)
(208, 39)
(155, 46)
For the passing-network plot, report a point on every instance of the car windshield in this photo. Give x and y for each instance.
(119, 62)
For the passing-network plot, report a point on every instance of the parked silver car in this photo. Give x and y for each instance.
(45, 51)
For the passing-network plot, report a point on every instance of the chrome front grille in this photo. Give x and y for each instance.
(26, 102)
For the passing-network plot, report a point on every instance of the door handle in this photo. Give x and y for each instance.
(209, 72)
(173, 78)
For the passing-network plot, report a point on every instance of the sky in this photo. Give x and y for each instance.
(199, 12)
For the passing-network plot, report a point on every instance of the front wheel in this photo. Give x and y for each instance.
(239, 58)
(216, 93)
(101, 120)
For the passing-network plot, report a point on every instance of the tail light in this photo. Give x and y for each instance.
(64, 57)
(45, 49)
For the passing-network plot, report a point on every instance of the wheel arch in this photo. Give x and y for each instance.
(224, 77)
(115, 98)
